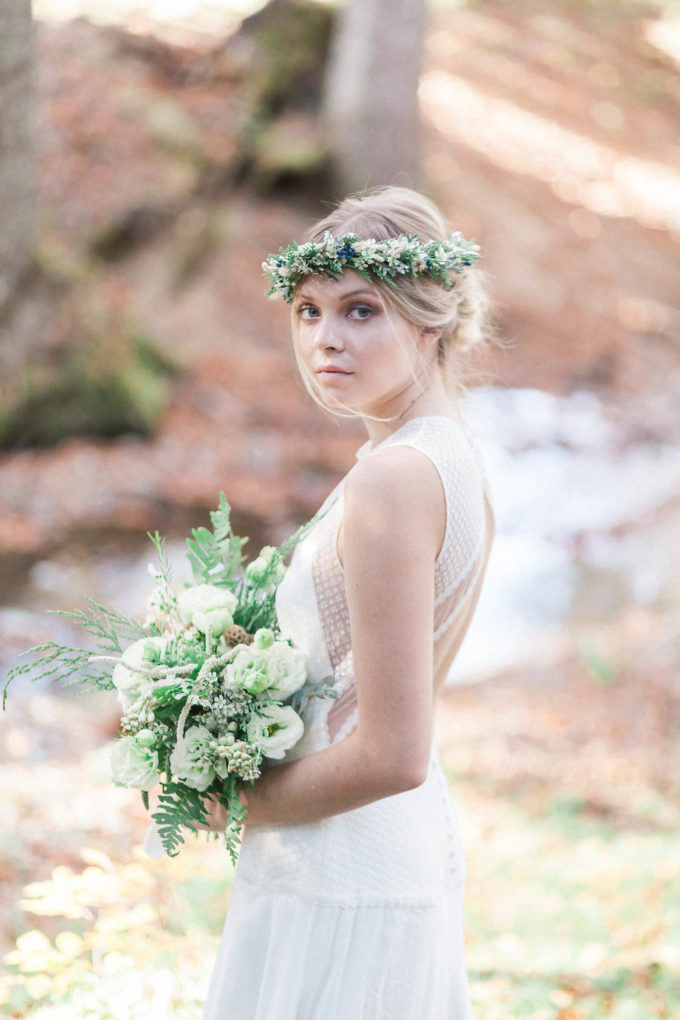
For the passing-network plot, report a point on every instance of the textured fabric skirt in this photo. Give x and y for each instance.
(357, 917)
(281, 958)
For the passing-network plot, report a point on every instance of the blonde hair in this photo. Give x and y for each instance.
(459, 313)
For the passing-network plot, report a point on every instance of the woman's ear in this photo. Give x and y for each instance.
(428, 337)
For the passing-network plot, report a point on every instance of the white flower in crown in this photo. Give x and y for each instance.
(396, 256)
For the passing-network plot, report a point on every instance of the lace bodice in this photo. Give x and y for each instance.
(312, 604)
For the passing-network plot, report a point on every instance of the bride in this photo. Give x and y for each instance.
(347, 902)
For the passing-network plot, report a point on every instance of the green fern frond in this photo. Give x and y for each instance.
(213, 561)
(236, 815)
(179, 806)
(221, 520)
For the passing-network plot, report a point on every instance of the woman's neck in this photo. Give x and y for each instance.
(434, 400)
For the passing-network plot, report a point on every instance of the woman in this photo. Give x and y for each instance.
(347, 904)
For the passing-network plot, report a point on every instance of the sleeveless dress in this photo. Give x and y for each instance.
(358, 916)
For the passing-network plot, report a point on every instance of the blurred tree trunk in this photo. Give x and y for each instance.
(16, 158)
(371, 94)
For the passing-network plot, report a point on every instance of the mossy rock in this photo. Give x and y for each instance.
(291, 148)
(291, 40)
(287, 42)
(98, 390)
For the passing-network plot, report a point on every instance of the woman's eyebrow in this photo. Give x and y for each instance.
(343, 297)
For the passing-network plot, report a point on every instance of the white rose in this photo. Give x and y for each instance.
(275, 729)
(191, 760)
(134, 763)
(287, 668)
(208, 607)
(130, 683)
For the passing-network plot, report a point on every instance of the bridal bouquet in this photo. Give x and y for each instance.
(208, 688)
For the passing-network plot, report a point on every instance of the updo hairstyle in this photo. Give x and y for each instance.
(458, 313)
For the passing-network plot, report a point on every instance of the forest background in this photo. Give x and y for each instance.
(152, 155)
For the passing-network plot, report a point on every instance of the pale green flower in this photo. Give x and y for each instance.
(276, 670)
(275, 729)
(192, 759)
(287, 668)
(208, 607)
(250, 670)
(134, 762)
(267, 569)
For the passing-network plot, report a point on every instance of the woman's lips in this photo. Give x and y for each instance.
(331, 370)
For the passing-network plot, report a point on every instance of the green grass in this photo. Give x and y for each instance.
(570, 919)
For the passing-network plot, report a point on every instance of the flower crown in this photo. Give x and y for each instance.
(403, 255)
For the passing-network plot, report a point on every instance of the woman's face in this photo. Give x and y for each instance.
(360, 355)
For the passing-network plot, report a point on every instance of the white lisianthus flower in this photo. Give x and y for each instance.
(267, 667)
(134, 761)
(250, 670)
(287, 668)
(275, 729)
(130, 683)
(208, 607)
(191, 760)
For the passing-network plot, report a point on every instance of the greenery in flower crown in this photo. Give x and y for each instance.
(404, 255)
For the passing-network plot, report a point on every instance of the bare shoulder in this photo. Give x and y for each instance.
(394, 471)
(394, 490)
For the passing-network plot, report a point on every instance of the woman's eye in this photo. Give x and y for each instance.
(360, 312)
(308, 312)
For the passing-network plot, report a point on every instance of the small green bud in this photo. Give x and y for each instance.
(264, 638)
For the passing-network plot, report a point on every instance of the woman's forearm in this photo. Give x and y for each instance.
(339, 778)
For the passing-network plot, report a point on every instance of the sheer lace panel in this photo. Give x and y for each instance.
(449, 605)
(329, 584)
(457, 569)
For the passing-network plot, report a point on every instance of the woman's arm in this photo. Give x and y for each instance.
(393, 527)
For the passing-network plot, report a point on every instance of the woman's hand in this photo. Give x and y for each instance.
(216, 816)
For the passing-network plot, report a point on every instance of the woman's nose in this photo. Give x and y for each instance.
(328, 335)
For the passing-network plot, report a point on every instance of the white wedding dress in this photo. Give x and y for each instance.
(358, 916)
